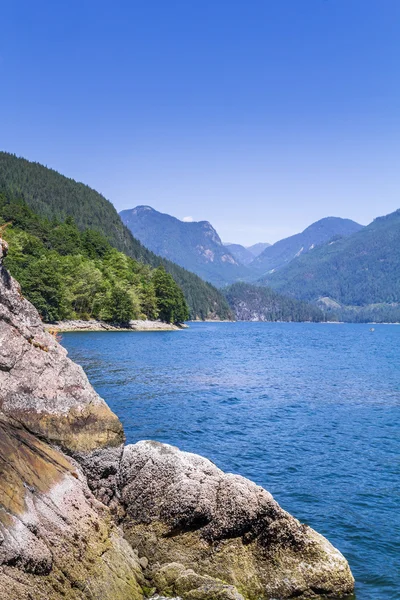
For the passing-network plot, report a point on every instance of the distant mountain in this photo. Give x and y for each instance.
(281, 253)
(256, 249)
(241, 254)
(255, 303)
(196, 246)
(54, 196)
(245, 255)
(361, 273)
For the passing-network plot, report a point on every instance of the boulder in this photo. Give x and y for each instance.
(180, 508)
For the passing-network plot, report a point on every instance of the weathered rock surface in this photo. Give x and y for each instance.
(180, 508)
(40, 387)
(56, 539)
(65, 479)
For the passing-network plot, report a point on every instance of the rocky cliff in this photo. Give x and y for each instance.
(82, 517)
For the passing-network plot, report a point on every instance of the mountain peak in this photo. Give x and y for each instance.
(333, 223)
(195, 245)
(281, 253)
(143, 208)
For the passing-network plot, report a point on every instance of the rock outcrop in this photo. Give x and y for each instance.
(82, 517)
(56, 539)
(180, 508)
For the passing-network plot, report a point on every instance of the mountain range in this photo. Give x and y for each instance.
(196, 246)
(356, 275)
(350, 271)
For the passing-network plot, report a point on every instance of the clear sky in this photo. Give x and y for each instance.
(260, 116)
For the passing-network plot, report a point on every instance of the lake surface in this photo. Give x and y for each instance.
(309, 411)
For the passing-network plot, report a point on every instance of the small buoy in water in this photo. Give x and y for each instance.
(372, 329)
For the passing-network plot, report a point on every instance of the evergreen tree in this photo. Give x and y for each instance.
(171, 303)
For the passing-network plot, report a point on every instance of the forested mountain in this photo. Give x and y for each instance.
(196, 246)
(361, 271)
(281, 253)
(70, 274)
(53, 196)
(256, 249)
(240, 253)
(255, 303)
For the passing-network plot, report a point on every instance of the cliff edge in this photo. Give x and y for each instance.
(83, 517)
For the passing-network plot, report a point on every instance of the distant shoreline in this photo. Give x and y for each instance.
(94, 325)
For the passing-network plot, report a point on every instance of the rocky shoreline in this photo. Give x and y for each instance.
(94, 325)
(85, 517)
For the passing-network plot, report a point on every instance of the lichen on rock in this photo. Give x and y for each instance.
(180, 508)
(56, 539)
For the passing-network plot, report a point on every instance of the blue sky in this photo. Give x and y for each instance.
(260, 116)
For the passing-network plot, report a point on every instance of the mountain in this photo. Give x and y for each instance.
(240, 253)
(245, 255)
(361, 273)
(196, 246)
(281, 253)
(256, 249)
(70, 274)
(255, 303)
(53, 196)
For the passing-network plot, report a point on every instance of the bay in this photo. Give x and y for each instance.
(309, 411)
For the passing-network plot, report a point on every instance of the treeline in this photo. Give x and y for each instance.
(373, 313)
(72, 274)
(53, 196)
(256, 303)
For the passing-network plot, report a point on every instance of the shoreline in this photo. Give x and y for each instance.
(94, 325)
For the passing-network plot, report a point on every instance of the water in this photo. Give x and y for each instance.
(309, 411)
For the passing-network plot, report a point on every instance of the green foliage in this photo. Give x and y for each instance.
(283, 252)
(360, 272)
(251, 302)
(171, 302)
(54, 197)
(69, 274)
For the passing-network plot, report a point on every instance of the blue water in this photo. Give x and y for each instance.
(309, 411)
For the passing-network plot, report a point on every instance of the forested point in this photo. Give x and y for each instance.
(55, 197)
(72, 274)
(255, 303)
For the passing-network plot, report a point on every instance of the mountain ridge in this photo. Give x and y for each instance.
(282, 252)
(361, 270)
